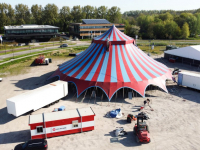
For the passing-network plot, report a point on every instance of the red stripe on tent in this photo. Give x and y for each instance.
(95, 77)
(153, 62)
(131, 77)
(119, 36)
(148, 72)
(106, 34)
(149, 58)
(108, 70)
(80, 69)
(118, 68)
(91, 66)
(110, 34)
(74, 60)
(77, 64)
(128, 49)
(147, 64)
(114, 36)
(141, 53)
(122, 35)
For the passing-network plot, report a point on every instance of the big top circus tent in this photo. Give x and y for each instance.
(113, 62)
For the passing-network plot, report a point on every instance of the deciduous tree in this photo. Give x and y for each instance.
(50, 14)
(22, 14)
(185, 30)
(37, 12)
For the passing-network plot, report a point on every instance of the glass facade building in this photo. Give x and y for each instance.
(27, 33)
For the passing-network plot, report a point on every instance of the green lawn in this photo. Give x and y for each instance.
(9, 52)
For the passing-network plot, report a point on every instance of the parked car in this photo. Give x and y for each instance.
(64, 45)
(36, 144)
(170, 47)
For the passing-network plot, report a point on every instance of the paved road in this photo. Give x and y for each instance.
(37, 50)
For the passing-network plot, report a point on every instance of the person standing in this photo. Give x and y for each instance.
(145, 102)
(148, 101)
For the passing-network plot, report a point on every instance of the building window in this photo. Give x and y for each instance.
(39, 129)
(75, 124)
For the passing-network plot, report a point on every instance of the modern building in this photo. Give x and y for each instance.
(27, 33)
(90, 28)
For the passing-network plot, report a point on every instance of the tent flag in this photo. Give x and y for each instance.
(113, 66)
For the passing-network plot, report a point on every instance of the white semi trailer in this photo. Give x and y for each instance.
(36, 99)
(189, 79)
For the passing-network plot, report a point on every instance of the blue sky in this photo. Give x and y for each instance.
(125, 5)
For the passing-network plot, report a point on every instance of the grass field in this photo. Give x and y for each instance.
(21, 66)
(9, 52)
(57, 43)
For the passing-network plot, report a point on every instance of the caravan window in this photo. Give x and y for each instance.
(39, 129)
(75, 124)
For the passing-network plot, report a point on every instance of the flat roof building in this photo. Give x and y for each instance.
(30, 32)
(90, 28)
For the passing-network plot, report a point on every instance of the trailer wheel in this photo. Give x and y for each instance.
(50, 60)
(47, 62)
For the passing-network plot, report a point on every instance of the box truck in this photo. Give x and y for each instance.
(36, 99)
(189, 79)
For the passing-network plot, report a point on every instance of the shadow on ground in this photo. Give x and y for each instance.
(128, 140)
(34, 82)
(5, 117)
(14, 137)
(185, 93)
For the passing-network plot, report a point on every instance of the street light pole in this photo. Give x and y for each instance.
(13, 53)
(149, 47)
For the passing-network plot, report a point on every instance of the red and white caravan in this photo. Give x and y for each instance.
(62, 122)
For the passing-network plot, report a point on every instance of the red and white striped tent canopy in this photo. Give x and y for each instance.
(113, 62)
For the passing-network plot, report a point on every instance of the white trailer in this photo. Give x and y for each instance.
(189, 79)
(36, 99)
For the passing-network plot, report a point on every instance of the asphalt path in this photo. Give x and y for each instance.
(38, 50)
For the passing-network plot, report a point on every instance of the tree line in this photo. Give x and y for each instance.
(163, 24)
(52, 15)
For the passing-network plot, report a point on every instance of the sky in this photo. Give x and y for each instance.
(124, 5)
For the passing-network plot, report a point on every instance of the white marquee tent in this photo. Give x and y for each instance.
(190, 54)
